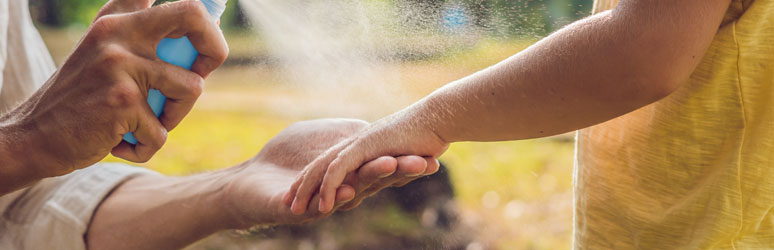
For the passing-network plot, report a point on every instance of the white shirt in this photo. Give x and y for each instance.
(53, 213)
(24, 59)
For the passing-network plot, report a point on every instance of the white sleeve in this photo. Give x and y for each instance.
(26, 63)
(55, 212)
(4, 16)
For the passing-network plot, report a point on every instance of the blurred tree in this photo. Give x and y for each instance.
(65, 12)
(504, 17)
(499, 17)
(527, 17)
(61, 13)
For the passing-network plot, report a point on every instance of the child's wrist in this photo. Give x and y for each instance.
(428, 118)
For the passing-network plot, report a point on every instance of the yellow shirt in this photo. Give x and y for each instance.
(696, 169)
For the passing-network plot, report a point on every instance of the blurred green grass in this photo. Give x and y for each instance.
(517, 194)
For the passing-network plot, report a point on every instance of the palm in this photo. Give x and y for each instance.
(263, 180)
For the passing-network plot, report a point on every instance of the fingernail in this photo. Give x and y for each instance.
(384, 175)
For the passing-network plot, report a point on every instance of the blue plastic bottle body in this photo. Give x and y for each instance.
(176, 51)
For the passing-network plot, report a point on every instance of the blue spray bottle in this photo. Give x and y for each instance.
(180, 52)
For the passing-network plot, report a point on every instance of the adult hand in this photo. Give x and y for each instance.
(154, 211)
(123, 6)
(255, 194)
(395, 135)
(98, 95)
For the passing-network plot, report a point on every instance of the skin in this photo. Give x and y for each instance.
(160, 212)
(98, 95)
(591, 71)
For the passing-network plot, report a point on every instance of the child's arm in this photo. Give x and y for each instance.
(586, 73)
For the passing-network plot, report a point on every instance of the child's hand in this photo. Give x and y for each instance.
(396, 135)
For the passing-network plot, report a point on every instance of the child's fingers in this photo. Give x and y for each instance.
(331, 180)
(344, 193)
(373, 173)
(334, 176)
(313, 175)
(308, 185)
(374, 170)
(311, 213)
(432, 165)
(371, 183)
(291, 194)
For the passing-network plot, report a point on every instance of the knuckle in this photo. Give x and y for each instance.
(156, 142)
(196, 85)
(335, 166)
(104, 26)
(122, 96)
(111, 55)
(222, 55)
(121, 128)
(163, 138)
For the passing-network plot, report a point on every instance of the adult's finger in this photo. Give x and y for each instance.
(182, 18)
(409, 168)
(123, 6)
(366, 176)
(347, 161)
(309, 183)
(432, 167)
(344, 194)
(371, 172)
(181, 87)
(150, 135)
(405, 167)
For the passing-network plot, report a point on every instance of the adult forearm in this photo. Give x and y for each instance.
(19, 164)
(589, 72)
(160, 212)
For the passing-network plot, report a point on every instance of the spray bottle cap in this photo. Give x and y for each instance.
(215, 7)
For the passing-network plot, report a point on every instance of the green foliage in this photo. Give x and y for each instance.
(500, 17)
(62, 13)
(65, 12)
(508, 18)
(527, 17)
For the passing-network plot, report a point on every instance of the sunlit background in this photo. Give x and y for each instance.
(293, 60)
